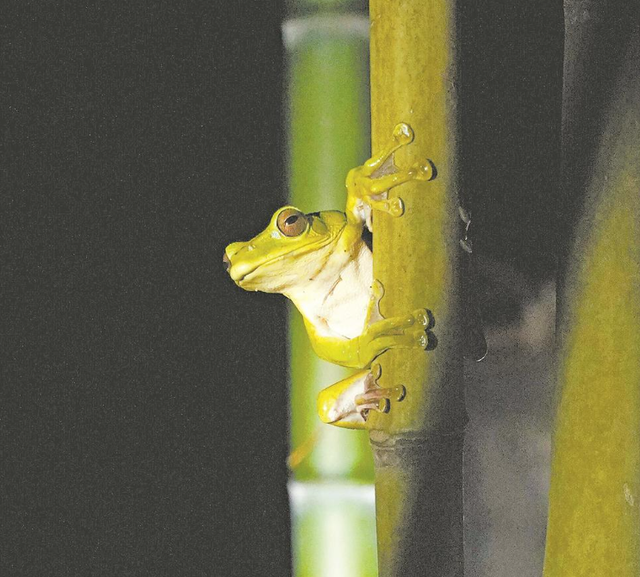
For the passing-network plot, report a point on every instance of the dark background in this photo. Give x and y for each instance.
(143, 411)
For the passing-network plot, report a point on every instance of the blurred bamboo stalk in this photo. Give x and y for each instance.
(328, 127)
(594, 509)
(328, 133)
(418, 445)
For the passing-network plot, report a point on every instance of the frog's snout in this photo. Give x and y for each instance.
(236, 263)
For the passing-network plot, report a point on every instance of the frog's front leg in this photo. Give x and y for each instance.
(365, 192)
(347, 403)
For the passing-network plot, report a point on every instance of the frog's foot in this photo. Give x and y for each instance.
(337, 403)
(402, 332)
(348, 402)
(377, 398)
(363, 189)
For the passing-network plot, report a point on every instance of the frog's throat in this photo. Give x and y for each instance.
(311, 247)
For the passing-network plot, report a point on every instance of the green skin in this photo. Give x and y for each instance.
(322, 264)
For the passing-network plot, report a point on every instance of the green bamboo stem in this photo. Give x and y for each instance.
(418, 445)
(594, 505)
(328, 129)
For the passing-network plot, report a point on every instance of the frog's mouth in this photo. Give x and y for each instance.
(237, 275)
(241, 270)
(226, 262)
(243, 273)
(238, 271)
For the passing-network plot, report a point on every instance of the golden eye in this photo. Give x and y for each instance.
(291, 222)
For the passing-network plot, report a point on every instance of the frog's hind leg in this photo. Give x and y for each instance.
(337, 405)
(410, 331)
(402, 332)
(347, 403)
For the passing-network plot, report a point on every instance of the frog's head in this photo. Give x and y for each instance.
(290, 251)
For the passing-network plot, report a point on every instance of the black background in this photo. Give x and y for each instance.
(143, 411)
(144, 406)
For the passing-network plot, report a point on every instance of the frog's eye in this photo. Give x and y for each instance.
(291, 222)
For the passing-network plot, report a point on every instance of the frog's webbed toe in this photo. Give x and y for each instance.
(377, 398)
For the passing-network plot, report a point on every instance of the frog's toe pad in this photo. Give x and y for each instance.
(392, 206)
(426, 171)
(422, 317)
(398, 393)
(396, 207)
(403, 133)
(422, 333)
(426, 340)
(425, 318)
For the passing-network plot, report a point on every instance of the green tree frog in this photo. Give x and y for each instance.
(322, 263)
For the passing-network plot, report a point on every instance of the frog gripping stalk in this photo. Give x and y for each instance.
(322, 264)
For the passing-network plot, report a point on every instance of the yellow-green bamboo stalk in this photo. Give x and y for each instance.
(418, 445)
(594, 505)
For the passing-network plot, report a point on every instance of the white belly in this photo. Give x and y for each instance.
(336, 302)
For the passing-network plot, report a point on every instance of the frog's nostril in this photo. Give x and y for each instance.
(226, 263)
